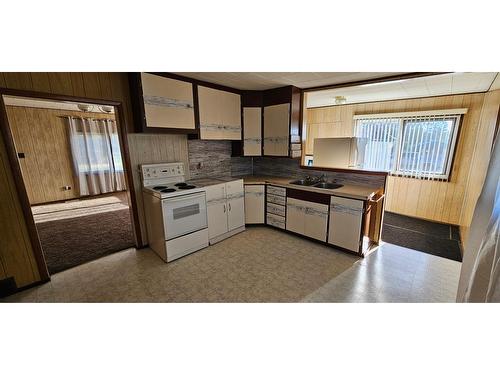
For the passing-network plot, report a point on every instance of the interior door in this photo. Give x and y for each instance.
(346, 216)
(216, 210)
(252, 131)
(295, 215)
(316, 220)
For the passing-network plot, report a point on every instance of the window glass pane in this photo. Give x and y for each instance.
(425, 145)
(378, 143)
(117, 155)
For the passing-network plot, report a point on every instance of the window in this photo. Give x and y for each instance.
(98, 154)
(415, 144)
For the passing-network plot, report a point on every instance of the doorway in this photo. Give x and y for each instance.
(72, 166)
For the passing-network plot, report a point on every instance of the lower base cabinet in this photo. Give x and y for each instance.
(225, 209)
(307, 218)
(255, 204)
(346, 217)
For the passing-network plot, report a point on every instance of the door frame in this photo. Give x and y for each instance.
(18, 177)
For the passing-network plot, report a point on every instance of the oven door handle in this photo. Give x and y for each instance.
(184, 197)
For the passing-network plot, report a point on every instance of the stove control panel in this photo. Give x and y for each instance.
(155, 171)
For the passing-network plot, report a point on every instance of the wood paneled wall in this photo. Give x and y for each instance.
(480, 158)
(16, 253)
(42, 135)
(432, 200)
(155, 148)
(15, 247)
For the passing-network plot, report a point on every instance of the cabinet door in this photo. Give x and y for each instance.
(168, 103)
(209, 104)
(276, 129)
(236, 204)
(316, 220)
(295, 215)
(217, 219)
(234, 189)
(235, 213)
(345, 223)
(231, 115)
(216, 210)
(252, 131)
(254, 204)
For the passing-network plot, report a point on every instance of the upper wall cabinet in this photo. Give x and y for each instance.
(163, 103)
(281, 122)
(271, 120)
(220, 114)
(252, 131)
(276, 129)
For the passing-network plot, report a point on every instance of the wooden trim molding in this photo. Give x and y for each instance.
(396, 77)
(346, 170)
(21, 191)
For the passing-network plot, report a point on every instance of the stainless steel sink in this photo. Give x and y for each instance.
(327, 185)
(303, 182)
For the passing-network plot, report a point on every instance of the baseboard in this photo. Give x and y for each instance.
(226, 235)
(9, 287)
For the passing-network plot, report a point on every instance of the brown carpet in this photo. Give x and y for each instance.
(77, 232)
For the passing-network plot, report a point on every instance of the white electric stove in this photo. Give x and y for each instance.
(176, 211)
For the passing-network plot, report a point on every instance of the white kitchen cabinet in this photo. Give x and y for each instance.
(316, 220)
(168, 103)
(252, 131)
(295, 215)
(276, 130)
(254, 204)
(235, 204)
(225, 210)
(220, 114)
(217, 210)
(346, 217)
(307, 218)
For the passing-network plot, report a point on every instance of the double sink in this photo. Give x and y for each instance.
(312, 183)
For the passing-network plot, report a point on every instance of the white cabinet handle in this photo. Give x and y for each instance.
(224, 208)
(229, 206)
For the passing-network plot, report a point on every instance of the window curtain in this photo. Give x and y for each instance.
(95, 150)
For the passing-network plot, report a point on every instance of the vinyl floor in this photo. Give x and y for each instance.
(260, 264)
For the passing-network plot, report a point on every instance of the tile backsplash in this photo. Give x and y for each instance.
(291, 168)
(213, 159)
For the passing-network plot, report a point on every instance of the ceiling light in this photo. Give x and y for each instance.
(340, 99)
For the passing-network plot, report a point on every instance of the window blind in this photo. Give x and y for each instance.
(418, 144)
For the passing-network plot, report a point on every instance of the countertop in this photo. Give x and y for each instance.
(363, 192)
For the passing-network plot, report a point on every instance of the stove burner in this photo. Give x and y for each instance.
(179, 184)
(159, 187)
(169, 190)
(186, 187)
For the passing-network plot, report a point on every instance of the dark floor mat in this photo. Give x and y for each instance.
(442, 240)
(417, 225)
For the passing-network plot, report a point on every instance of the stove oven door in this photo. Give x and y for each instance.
(184, 214)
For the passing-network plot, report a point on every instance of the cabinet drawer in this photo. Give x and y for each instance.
(276, 221)
(276, 190)
(275, 209)
(276, 199)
